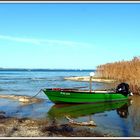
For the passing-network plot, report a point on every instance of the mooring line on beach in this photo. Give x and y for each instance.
(37, 93)
(24, 99)
(29, 99)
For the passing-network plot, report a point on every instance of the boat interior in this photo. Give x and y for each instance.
(79, 90)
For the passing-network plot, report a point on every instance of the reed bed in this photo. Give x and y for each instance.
(122, 71)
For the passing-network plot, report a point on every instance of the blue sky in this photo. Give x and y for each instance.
(75, 36)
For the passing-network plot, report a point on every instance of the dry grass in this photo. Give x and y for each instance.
(123, 71)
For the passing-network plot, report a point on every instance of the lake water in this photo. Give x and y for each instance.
(118, 119)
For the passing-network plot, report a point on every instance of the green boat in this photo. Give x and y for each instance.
(79, 110)
(60, 95)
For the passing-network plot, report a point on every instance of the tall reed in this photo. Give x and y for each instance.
(123, 71)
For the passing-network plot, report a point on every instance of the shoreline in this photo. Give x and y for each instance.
(87, 79)
(44, 126)
(26, 127)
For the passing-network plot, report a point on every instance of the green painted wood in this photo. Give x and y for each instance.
(60, 96)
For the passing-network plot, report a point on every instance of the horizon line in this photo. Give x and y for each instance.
(47, 68)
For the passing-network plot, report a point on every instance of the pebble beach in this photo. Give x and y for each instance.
(40, 127)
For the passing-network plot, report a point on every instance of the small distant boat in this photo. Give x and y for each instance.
(63, 95)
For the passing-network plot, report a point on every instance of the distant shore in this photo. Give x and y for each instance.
(87, 78)
(43, 69)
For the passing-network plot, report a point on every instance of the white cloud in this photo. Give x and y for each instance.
(44, 41)
(18, 39)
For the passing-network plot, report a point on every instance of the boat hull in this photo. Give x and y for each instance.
(82, 97)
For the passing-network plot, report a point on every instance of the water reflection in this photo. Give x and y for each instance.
(80, 110)
(123, 111)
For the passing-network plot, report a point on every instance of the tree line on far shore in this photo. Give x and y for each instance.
(123, 71)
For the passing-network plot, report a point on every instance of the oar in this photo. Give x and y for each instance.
(75, 87)
(80, 87)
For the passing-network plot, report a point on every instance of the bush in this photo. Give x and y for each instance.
(123, 71)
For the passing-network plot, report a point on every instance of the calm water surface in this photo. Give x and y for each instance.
(118, 119)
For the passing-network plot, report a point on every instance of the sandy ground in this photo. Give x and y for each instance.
(24, 127)
(21, 98)
(87, 78)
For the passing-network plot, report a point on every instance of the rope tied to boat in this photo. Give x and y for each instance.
(37, 93)
(29, 99)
